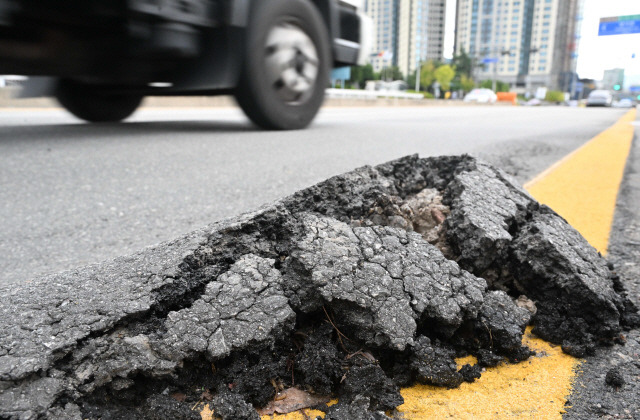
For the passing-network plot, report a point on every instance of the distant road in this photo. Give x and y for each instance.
(73, 194)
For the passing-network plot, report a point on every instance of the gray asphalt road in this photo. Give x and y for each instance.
(72, 194)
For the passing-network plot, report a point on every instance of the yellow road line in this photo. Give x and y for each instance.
(583, 188)
(534, 389)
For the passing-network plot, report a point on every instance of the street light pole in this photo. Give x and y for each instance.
(495, 68)
(532, 50)
(495, 76)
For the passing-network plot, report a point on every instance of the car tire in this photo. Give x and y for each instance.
(92, 104)
(285, 66)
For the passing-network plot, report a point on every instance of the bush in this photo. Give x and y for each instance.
(554, 96)
(426, 95)
(500, 85)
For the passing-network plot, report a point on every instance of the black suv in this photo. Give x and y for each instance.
(101, 57)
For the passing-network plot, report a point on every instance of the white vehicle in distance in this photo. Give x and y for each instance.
(481, 96)
(623, 103)
(600, 97)
(100, 58)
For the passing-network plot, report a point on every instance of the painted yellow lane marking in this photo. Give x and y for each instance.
(534, 389)
(582, 187)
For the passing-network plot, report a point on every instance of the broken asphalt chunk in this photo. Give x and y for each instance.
(381, 272)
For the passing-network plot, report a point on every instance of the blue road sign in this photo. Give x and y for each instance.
(619, 27)
(634, 88)
(489, 60)
(579, 87)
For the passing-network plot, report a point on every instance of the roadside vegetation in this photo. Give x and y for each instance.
(454, 76)
(451, 79)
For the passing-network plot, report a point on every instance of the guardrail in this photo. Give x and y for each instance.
(370, 94)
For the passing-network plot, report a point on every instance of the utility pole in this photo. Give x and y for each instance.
(418, 77)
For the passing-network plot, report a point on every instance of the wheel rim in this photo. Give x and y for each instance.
(291, 62)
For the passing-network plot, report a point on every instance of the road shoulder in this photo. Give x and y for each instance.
(592, 396)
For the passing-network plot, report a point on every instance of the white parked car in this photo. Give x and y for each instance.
(623, 103)
(482, 96)
(600, 98)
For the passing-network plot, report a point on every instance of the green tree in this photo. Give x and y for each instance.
(466, 83)
(444, 75)
(500, 86)
(391, 73)
(463, 64)
(360, 75)
(427, 74)
(411, 80)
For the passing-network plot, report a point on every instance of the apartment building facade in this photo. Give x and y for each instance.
(407, 32)
(526, 43)
(384, 14)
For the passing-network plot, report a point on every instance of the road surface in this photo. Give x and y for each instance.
(74, 194)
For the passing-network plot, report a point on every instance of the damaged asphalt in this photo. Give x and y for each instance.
(368, 281)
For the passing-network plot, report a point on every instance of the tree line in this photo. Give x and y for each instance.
(453, 76)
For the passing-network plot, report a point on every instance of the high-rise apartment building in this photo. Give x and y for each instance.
(384, 14)
(406, 32)
(526, 43)
(420, 32)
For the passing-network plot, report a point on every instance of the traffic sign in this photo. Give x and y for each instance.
(489, 60)
(619, 25)
(579, 87)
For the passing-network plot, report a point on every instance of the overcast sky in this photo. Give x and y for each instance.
(595, 54)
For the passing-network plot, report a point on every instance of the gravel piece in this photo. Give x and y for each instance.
(434, 364)
(358, 409)
(470, 373)
(370, 381)
(231, 406)
(614, 377)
